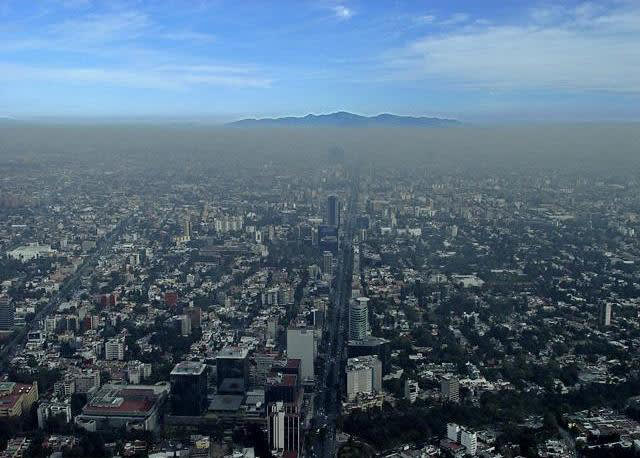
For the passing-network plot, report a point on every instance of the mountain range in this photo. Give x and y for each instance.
(346, 119)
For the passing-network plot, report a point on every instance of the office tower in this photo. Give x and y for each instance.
(333, 211)
(188, 388)
(327, 263)
(7, 313)
(300, 345)
(284, 427)
(605, 314)
(450, 388)
(232, 366)
(411, 390)
(114, 349)
(359, 318)
(364, 376)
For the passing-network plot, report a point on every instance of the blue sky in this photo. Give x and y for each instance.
(493, 60)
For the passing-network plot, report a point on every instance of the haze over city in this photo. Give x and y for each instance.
(335, 229)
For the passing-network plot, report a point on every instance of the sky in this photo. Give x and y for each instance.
(476, 60)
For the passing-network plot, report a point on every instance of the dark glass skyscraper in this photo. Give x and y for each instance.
(333, 211)
(188, 388)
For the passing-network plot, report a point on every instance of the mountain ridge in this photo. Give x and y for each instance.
(346, 119)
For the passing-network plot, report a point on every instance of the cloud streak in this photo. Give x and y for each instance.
(166, 78)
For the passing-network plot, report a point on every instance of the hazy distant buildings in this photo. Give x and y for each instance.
(333, 211)
(188, 388)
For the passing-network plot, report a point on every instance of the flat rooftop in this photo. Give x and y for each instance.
(233, 353)
(226, 402)
(189, 368)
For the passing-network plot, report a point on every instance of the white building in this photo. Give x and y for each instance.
(359, 318)
(469, 440)
(364, 376)
(300, 345)
(48, 409)
(411, 390)
(31, 251)
(465, 437)
(114, 350)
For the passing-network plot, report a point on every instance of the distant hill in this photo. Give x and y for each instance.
(345, 119)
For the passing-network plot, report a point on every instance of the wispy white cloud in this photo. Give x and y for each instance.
(425, 19)
(172, 77)
(108, 27)
(584, 48)
(455, 19)
(190, 36)
(342, 12)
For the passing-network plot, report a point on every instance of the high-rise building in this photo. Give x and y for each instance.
(469, 440)
(188, 388)
(411, 390)
(450, 388)
(359, 318)
(284, 427)
(114, 349)
(605, 314)
(364, 376)
(333, 211)
(185, 325)
(7, 313)
(300, 345)
(186, 228)
(452, 432)
(232, 368)
(327, 263)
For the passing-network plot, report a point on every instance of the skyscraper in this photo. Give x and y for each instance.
(359, 318)
(188, 388)
(333, 211)
(284, 427)
(7, 313)
(605, 314)
(186, 229)
(232, 367)
(327, 263)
